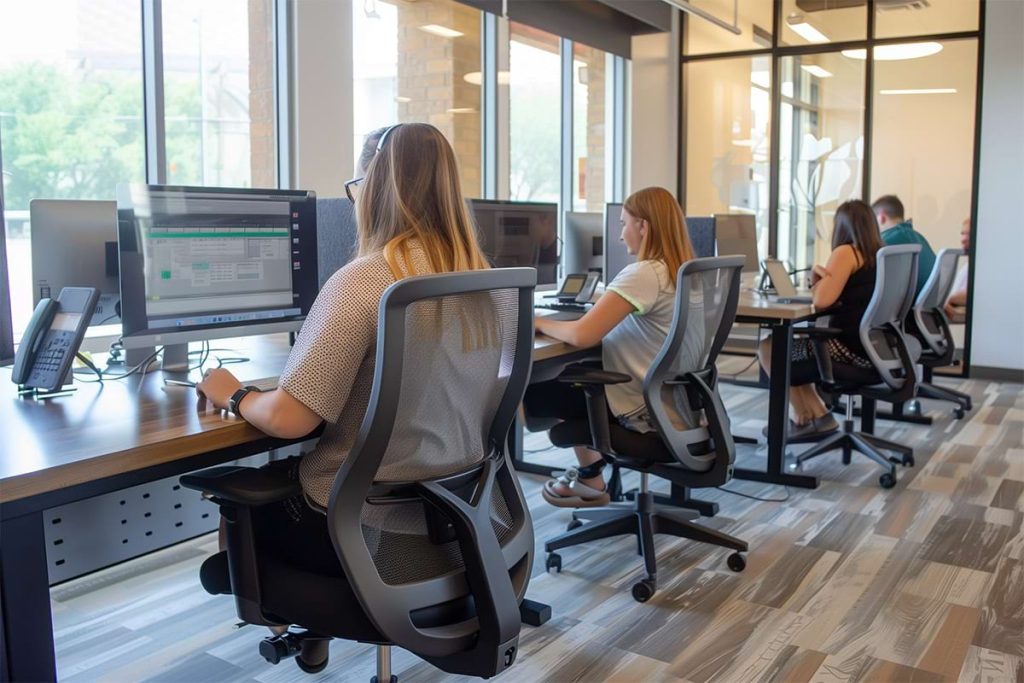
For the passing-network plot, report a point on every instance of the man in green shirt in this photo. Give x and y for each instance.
(896, 229)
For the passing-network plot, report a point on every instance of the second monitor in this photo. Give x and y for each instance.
(515, 234)
(737, 234)
(583, 243)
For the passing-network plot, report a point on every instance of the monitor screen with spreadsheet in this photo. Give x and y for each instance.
(205, 263)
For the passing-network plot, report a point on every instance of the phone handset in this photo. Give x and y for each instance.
(32, 340)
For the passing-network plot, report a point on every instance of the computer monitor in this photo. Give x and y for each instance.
(336, 238)
(74, 244)
(737, 234)
(702, 235)
(583, 242)
(616, 257)
(201, 263)
(519, 234)
(6, 326)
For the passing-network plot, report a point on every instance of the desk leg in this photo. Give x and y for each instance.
(778, 414)
(27, 638)
(515, 448)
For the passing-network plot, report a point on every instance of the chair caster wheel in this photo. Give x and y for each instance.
(736, 562)
(574, 524)
(908, 460)
(314, 656)
(394, 679)
(913, 408)
(644, 590)
(887, 480)
(958, 413)
(554, 561)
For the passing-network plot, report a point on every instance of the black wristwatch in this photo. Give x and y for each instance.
(237, 397)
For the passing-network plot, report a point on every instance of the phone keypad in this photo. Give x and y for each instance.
(51, 356)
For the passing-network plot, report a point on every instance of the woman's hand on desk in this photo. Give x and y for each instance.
(217, 386)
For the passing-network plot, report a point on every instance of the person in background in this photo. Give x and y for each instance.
(631, 320)
(896, 229)
(956, 304)
(848, 279)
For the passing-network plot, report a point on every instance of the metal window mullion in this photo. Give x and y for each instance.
(566, 195)
(975, 176)
(283, 93)
(153, 91)
(489, 119)
(616, 189)
(869, 104)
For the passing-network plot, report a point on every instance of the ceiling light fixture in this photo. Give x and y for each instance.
(803, 29)
(443, 31)
(477, 78)
(816, 70)
(918, 91)
(888, 53)
(462, 110)
(401, 99)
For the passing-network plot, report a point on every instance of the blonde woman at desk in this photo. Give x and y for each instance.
(847, 279)
(412, 220)
(631, 320)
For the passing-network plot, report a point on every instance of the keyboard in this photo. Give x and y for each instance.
(560, 306)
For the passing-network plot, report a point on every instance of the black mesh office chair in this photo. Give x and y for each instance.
(892, 375)
(707, 291)
(930, 326)
(435, 542)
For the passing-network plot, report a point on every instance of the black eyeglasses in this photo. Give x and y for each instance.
(354, 182)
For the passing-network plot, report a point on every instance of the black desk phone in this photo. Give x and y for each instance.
(578, 287)
(52, 338)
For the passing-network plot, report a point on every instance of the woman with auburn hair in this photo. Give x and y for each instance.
(632, 319)
(412, 220)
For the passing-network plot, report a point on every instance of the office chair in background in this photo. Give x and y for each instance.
(435, 545)
(930, 326)
(891, 378)
(707, 291)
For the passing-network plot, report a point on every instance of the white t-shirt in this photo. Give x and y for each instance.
(633, 344)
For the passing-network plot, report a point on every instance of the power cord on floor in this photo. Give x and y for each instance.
(758, 498)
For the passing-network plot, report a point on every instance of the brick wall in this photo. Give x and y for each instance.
(430, 74)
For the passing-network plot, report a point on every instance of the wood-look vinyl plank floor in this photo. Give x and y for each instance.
(923, 582)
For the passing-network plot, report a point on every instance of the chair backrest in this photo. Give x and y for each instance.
(680, 387)
(426, 511)
(929, 316)
(881, 327)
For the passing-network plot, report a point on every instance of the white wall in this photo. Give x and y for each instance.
(997, 335)
(321, 76)
(654, 111)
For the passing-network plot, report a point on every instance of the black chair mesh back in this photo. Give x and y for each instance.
(930, 302)
(426, 510)
(707, 293)
(458, 357)
(882, 324)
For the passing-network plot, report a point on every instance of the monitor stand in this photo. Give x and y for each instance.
(175, 358)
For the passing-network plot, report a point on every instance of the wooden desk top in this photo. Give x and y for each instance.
(103, 430)
(753, 305)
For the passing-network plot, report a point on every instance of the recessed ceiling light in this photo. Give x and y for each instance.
(887, 53)
(442, 31)
(477, 78)
(743, 143)
(816, 70)
(462, 110)
(402, 99)
(918, 91)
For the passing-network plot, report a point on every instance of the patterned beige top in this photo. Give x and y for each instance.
(330, 369)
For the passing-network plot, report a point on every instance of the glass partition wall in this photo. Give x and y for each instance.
(809, 103)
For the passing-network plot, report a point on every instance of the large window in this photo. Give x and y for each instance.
(219, 92)
(71, 121)
(535, 115)
(420, 62)
(728, 105)
(821, 129)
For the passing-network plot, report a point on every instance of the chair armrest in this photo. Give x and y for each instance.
(583, 374)
(242, 485)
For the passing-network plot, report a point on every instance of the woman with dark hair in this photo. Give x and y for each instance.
(848, 279)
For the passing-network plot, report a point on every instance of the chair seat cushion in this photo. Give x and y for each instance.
(638, 446)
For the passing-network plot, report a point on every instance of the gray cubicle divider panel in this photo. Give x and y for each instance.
(91, 534)
(335, 235)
